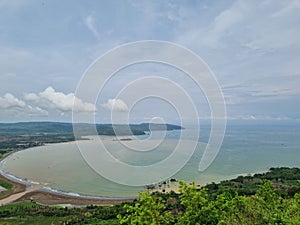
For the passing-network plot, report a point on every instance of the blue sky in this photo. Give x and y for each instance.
(252, 47)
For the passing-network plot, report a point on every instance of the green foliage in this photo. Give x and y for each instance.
(37, 220)
(293, 209)
(265, 207)
(274, 201)
(195, 204)
(5, 184)
(24, 213)
(147, 210)
(285, 181)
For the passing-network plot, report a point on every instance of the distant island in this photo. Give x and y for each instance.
(29, 134)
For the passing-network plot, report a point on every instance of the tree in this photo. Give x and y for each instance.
(197, 207)
(148, 210)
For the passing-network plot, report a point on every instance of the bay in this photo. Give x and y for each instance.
(246, 149)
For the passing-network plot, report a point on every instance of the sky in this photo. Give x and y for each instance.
(252, 47)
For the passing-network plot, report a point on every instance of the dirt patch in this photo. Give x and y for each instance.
(17, 187)
(55, 199)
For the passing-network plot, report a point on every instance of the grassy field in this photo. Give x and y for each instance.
(33, 213)
(5, 184)
(8, 186)
(37, 220)
(24, 219)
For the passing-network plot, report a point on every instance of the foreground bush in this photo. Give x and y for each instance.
(194, 206)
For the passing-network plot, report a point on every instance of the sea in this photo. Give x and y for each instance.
(247, 149)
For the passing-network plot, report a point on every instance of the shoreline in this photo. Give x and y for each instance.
(17, 187)
(48, 196)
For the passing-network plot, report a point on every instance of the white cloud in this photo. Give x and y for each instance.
(263, 89)
(117, 105)
(251, 43)
(48, 103)
(292, 6)
(62, 102)
(51, 99)
(31, 97)
(224, 22)
(255, 45)
(90, 23)
(80, 106)
(10, 101)
(257, 25)
(36, 111)
(57, 100)
(15, 107)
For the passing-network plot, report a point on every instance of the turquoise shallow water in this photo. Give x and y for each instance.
(246, 149)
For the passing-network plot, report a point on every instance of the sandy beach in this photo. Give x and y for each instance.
(13, 197)
(21, 192)
(47, 198)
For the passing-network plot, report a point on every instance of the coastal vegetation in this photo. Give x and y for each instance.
(7, 188)
(5, 184)
(268, 198)
(194, 206)
(16, 136)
